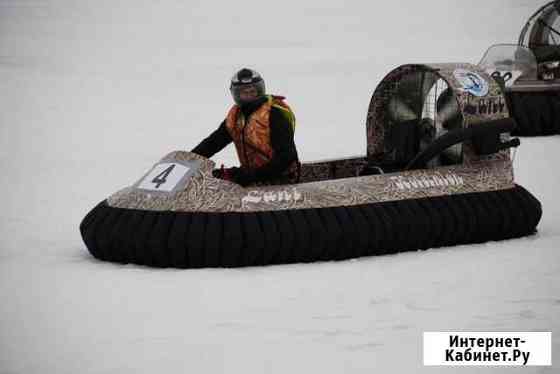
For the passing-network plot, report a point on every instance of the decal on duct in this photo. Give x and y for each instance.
(472, 82)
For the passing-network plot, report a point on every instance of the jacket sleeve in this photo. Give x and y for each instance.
(214, 143)
(283, 145)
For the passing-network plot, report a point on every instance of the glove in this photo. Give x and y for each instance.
(242, 177)
(224, 173)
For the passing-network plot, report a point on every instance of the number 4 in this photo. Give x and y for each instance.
(161, 178)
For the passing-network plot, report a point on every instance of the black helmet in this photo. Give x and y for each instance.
(243, 79)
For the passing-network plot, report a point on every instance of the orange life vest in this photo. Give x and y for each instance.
(252, 138)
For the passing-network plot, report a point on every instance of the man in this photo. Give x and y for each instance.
(262, 128)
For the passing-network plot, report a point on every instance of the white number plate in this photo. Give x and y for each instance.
(164, 177)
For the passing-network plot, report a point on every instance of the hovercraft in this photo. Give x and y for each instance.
(437, 173)
(530, 73)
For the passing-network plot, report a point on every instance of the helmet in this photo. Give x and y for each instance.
(246, 79)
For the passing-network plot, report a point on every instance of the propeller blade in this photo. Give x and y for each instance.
(400, 111)
(448, 114)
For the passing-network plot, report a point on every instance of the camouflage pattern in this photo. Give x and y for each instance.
(337, 183)
(474, 109)
(205, 193)
(332, 169)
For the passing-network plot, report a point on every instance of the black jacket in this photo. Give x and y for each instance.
(281, 139)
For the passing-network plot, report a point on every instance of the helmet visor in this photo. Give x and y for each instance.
(246, 93)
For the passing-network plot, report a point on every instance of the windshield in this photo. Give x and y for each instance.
(510, 61)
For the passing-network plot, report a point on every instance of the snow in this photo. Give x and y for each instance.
(94, 92)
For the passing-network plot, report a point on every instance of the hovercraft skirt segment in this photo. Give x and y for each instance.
(536, 113)
(200, 239)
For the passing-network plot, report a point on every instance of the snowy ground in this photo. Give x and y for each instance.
(93, 92)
